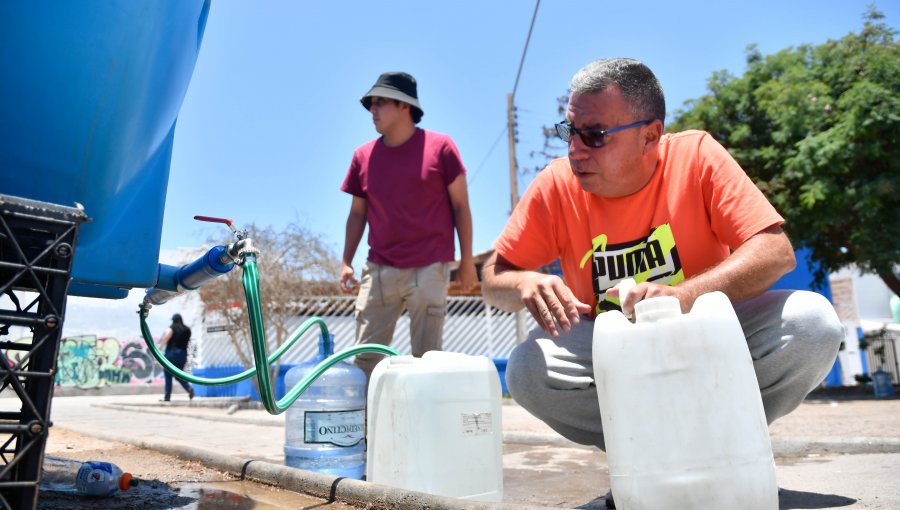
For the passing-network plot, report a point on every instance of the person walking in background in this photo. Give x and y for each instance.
(673, 211)
(409, 187)
(175, 342)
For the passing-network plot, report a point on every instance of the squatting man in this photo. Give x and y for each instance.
(673, 211)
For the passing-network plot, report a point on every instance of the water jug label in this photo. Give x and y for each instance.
(340, 428)
(477, 424)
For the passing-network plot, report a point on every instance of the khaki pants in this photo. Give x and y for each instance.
(385, 292)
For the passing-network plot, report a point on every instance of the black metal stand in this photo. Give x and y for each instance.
(37, 244)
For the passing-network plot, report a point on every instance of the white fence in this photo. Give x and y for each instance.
(471, 327)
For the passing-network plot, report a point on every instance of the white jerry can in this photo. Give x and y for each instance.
(682, 414)
(434, 426)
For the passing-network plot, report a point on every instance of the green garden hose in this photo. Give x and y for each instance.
(261, 359)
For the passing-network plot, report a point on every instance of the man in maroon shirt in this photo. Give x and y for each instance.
(409, 186)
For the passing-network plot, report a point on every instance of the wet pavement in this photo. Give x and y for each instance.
(57, 494)
(240, 495)
(841, 449)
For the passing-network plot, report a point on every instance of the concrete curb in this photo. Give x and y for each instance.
(353, 492)
(801, 447)
(540, 438)
(272, 421)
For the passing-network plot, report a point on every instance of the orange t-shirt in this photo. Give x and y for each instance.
(697, 208)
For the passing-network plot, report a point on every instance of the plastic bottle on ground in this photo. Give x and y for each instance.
(325, 427)
(97, 478)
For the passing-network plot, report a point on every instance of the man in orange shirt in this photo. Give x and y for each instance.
(676, 213)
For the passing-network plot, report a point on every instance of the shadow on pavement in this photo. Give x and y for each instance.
(788, 500)
(597, 504)
(858, 392)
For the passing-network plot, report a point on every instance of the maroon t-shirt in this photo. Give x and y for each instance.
(409, 213)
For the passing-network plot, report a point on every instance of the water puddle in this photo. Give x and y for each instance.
(812, 458)
(245, 496)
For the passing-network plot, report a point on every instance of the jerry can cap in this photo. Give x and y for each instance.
(656, 308)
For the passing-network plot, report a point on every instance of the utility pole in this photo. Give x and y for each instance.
(514, 193)
(513, 165)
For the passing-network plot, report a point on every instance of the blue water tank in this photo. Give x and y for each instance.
(89, 98)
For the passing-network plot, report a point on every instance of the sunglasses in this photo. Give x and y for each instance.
(591, 137)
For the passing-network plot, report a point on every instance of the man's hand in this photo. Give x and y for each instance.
(550, 301)
(646, 290)
(465, 274)
(348, 282)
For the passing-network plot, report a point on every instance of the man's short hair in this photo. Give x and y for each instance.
(636, 81)
(415, 113)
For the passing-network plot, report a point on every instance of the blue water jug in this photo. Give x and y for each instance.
(882, 383)
(324, 429)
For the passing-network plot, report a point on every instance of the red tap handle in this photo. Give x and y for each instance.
(213, 220)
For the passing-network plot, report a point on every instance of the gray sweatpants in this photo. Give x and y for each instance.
(793, 338)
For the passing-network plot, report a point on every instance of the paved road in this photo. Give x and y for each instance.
(839, 450)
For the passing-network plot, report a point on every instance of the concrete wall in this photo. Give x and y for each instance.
(871, 296)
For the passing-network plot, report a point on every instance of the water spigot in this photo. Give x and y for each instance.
(235, 251)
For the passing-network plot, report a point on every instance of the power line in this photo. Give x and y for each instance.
(524, 51)
(511, 131)
(489, 152)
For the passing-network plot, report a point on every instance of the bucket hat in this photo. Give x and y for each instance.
(395, 85)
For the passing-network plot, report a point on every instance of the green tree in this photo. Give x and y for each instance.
(816, 127)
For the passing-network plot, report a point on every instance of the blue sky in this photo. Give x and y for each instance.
(271, 117)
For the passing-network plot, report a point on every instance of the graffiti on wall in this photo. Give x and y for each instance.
(90, 362)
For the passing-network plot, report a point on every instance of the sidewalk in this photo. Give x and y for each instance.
(840, 449)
